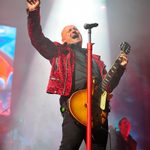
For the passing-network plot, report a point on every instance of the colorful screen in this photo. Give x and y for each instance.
(7, 51)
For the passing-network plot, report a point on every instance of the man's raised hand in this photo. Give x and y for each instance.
(32, 4)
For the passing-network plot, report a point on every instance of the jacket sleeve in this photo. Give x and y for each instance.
(43, 45)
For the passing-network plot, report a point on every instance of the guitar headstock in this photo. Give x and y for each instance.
(125, 47)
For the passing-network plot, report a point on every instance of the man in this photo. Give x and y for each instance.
(68, 75)
(125, 140)
(121, 139)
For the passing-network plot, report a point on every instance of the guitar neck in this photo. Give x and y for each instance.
(106, 81)
(125, 49)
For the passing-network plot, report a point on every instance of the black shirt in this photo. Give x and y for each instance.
(80, 73)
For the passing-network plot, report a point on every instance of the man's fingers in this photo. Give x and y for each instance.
(32, 4)
(123, 59)
(31, 1)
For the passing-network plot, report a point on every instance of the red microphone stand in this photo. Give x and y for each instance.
(89, 91)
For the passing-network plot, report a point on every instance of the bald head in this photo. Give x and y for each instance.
(71, 35)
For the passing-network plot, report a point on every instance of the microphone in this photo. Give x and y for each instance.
(89, 26)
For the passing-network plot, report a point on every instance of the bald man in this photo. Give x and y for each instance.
(69, 75)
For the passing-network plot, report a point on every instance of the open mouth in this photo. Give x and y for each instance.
(74, 35)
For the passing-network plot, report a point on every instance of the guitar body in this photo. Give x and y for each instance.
(78, 108)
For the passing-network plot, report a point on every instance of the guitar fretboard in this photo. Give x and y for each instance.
(106, 81)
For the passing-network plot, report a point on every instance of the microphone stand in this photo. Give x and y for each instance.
(89, 85)
(89, 91)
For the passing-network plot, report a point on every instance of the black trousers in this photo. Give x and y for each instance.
(73, 133)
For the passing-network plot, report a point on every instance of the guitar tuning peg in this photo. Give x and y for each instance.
(125, 47)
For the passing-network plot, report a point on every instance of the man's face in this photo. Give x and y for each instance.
(125, 127)
(71, 35)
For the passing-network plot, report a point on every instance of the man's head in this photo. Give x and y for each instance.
(124, 126)
(71, 35)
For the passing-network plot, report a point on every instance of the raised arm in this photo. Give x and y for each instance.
(42, 44)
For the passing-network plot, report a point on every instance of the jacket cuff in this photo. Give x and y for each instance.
(32, 11)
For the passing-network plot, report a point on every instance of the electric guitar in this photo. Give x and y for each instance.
(78, 100)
